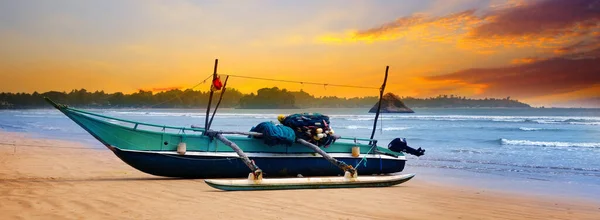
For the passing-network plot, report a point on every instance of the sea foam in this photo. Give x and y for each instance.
(355, 127)
(549, 143)
(538, 129)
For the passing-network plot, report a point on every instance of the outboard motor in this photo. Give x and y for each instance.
(400, 145)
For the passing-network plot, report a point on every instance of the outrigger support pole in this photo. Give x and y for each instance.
(255, 170)
(340, 164)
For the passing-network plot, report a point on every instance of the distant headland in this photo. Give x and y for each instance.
(265, 98)
(391, 103)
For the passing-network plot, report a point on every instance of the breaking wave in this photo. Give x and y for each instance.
(513, 119)
(360, 117)
(396, 128)
(505, 166)
(193, 114)
(45, 127)
(530, 129)
(355, 127)
(537, 129)
(584, 123)
(11, 127)
(50, 128)
(549, 143)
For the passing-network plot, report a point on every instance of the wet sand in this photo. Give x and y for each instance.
(52, 179)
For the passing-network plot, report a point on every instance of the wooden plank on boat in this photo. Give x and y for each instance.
(308, 183)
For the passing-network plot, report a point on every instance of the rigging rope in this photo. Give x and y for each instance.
(258, 78)
(177, 96)
(301, 82)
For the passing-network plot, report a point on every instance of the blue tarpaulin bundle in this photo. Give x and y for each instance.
(275, 134)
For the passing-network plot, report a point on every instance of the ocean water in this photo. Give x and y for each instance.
(543, 151)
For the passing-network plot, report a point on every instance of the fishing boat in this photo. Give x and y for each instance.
(199, 152)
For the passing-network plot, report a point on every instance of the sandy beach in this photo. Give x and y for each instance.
(52, 179)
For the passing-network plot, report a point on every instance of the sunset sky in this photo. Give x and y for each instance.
(543, 52)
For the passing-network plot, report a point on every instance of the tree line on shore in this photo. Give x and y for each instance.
(264, 98)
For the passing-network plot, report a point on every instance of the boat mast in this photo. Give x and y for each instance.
(379, 103)
(256, 171)
(218, 103)
(206, 125)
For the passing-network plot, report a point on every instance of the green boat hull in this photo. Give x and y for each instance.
(153, 149)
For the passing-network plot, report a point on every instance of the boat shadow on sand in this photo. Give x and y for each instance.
(95, 179)
(70, 181)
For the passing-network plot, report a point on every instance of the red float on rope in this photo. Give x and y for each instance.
(217, 83)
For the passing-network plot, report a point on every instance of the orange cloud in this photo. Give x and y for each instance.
(416, 27)
(525, 60)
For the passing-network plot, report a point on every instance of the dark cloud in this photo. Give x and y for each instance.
(545, 77)
(543, 22)
(581, 46)
(576, 66)
(541, 18)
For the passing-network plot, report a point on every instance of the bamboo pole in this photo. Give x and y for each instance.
(219, 102)
(211, 95)
(340, 164)
(379, 104)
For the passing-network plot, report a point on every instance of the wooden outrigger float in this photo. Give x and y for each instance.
(201, 153)
(309, 183)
